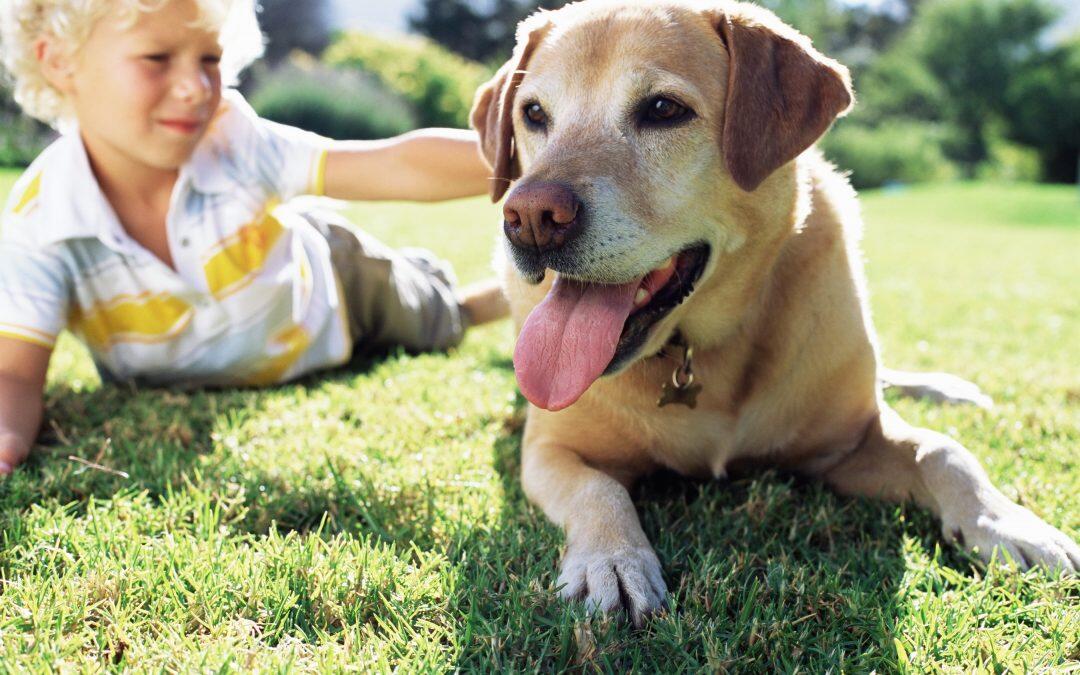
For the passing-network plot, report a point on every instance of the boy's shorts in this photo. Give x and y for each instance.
(394, 298)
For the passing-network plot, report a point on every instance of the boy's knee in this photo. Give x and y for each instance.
(400, 299)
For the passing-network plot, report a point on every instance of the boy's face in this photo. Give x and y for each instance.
(145, 93)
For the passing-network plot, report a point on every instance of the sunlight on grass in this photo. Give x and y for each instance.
(371, 518)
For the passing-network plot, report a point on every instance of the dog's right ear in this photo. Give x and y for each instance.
(493, 110)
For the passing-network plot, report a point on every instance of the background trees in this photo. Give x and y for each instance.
(945, 87)
(968, 88)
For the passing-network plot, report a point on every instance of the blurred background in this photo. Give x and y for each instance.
(947, 89)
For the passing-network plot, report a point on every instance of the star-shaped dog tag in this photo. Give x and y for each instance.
(674, 395)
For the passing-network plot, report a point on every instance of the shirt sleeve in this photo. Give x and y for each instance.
(288, 161)
(34, 295)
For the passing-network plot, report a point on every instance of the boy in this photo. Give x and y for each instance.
(158, 228)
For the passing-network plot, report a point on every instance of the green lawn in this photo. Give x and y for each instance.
(372, 518)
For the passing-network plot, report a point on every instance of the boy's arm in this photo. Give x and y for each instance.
(426, 165)
(23, 367)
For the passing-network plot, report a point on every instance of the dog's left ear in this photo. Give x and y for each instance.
(782, 93)
(493, 109)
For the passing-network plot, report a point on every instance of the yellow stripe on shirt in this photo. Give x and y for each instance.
(318, 183)
(28, 195)
(145, 318)
(292, 343)
(31, 336)
(239, 258)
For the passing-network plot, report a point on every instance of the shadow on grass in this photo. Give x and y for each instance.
(766, 572)
(105, 431)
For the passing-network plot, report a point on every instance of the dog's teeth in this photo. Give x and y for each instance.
(641, 297)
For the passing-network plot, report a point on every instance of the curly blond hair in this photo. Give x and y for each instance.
(23, 22)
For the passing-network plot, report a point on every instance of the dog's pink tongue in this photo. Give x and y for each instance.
(569, 340)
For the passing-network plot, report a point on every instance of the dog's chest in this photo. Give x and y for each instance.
(700, 446)
(697, 441)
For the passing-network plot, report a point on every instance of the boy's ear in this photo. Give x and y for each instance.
(493, 110)
(57, 63)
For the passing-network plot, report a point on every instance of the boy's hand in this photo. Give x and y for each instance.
(13, 452)
(23, 367)
(426, 165)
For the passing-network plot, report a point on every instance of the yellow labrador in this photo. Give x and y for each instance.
(675, 240)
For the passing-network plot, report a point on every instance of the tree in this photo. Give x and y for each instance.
(974, 49)
(481, 31)
(290, 25)
(484, 31)
(1043, 108)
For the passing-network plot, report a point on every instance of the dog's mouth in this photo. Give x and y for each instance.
(583, 330)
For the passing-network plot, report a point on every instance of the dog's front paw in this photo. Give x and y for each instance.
(1028, 539)
(626, 578)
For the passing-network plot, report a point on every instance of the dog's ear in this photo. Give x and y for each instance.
(493, 110)
(782, 94)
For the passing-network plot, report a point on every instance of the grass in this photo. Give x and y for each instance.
(371, 518)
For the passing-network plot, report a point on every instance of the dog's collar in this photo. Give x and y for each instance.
(681, 390)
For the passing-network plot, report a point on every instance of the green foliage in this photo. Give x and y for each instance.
(483, 32)
(1043, 104)
(440, 85)
(338, 104)
(898, 86)
(372, 518)
(895, 151)
(973, 49)
(1009, 162)
(21, 138)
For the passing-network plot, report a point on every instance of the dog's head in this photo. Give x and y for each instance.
(643, 144)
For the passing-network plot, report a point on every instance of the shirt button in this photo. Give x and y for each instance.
(185, 242)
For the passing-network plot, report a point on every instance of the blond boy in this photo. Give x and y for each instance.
(159, 227)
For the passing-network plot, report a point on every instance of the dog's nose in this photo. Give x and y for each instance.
(542, 216)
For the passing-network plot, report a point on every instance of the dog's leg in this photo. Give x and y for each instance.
(609, 562)
(937, 387)
(898, 461)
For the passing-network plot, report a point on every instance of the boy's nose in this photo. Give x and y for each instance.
(194, 87)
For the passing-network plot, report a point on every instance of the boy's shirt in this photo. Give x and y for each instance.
(253, 300)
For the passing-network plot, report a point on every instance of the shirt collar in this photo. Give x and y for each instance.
(72, 202)
(208, 170)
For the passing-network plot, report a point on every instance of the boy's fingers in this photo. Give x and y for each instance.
(13, 451)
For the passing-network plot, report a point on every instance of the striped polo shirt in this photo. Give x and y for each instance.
(253, 300)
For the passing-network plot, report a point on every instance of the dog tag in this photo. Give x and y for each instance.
(681, 390)
(673, 394)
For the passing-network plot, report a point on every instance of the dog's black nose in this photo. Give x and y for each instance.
(541, 216)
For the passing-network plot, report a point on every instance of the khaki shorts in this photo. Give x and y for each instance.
(394, 298)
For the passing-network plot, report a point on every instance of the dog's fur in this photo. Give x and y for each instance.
(779, 321)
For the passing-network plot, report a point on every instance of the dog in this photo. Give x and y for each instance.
(685, 278)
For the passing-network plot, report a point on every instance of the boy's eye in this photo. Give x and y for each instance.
(212, 59)
(157, 58)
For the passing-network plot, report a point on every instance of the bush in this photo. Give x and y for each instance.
(439, 84)
(21, 138)
(898, 151)
(1009, 162)
(339, 104)
(1044, 110)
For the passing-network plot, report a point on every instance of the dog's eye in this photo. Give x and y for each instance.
(535, 115)
(663, 110)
